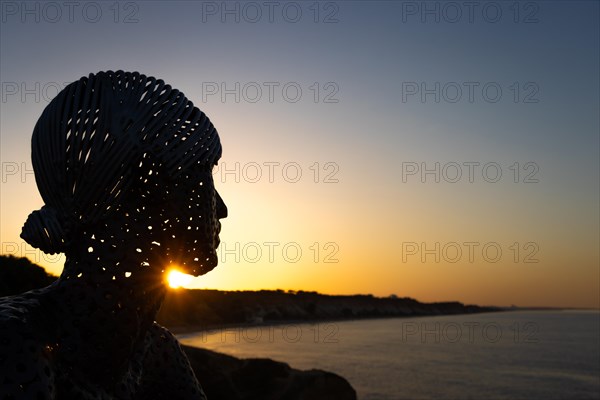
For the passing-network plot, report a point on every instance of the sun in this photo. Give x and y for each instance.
(177, 279)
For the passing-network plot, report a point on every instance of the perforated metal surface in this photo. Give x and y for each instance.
(123, 163)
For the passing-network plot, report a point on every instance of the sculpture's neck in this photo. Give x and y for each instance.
(123, 288)
(107, 301)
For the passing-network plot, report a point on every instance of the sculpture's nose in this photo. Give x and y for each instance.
(221, 207)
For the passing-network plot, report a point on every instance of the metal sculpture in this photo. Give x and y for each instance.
(123, 163)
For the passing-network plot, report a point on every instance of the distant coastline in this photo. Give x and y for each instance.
(189, 310)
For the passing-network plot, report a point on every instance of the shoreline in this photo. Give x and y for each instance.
(185, 330)
(182, 330)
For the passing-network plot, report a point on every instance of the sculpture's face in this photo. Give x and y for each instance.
(190, 223)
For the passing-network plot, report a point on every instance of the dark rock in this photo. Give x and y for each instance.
(229, 378)
(19, 275)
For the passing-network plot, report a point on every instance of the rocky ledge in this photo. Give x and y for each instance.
(229, 378)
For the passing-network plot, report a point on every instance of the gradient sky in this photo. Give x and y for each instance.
(363, 224)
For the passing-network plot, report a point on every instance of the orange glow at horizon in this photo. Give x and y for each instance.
(178, 279)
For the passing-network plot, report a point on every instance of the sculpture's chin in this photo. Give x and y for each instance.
(202, 264)
(193, 258)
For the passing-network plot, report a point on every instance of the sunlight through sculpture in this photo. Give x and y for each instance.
(123, 163)
(177, 279)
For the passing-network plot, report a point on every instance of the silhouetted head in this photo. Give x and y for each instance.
(123, 163)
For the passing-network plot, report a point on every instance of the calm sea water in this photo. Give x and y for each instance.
(509, 355)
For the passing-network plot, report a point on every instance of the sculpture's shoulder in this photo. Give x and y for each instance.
(28, 315)
(19, 315)
(17, 307)
(25, 358)
(167, 371)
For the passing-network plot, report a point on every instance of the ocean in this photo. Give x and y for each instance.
(504, 355)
